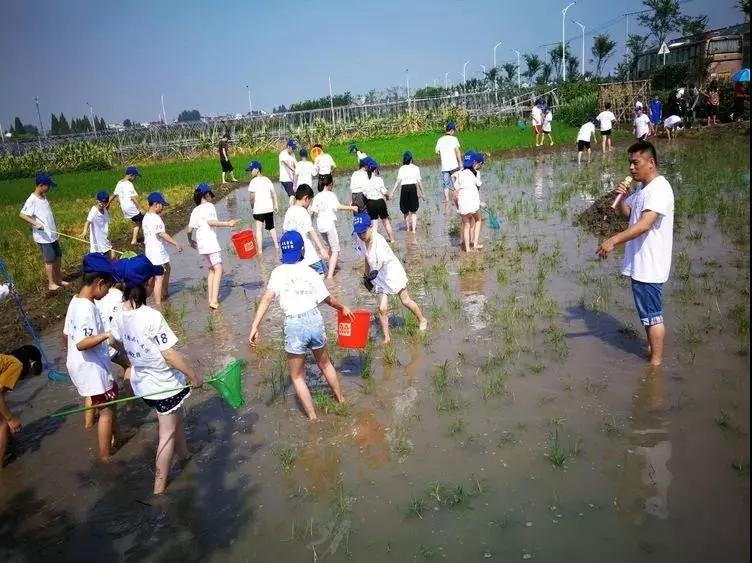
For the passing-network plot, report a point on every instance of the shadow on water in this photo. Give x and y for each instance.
(607, 328)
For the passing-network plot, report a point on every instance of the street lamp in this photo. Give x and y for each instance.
(446, 81)
(407, 85)
(93, 122)
(519, 84)
(250, 103)
(164, 114)
(496, 82)
(582, 65)
(464, 76)
(39, 116)
(563, 41)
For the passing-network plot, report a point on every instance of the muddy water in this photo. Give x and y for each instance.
(524, 425)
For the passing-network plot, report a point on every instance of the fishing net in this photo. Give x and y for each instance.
(128, 254)
(229, 384)
(492, 220)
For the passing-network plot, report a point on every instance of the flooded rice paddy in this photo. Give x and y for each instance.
(524, 425)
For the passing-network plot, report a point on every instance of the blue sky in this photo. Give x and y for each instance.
(120, 56)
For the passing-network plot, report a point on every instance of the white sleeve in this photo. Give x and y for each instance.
(84, 323)
(417, 170)
(658, 200)
(273, 284)
(115, 330)
(28, 207)
(92, 214)
(162, 334)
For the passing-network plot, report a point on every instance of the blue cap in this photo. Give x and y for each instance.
(118, 269)
(451, 126)
(292, 144)
(468, 159)
(361, 223)
(352, 148)
(254, 165)
(371, 163)
(103, 196)
(204, 189)
(291, 244)
(97, 262)
(138, 270)
(479, 158)
(303, 152)
(44, 179)
(132, 170)
(156, 197)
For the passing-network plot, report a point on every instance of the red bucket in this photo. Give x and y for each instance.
(353, 333)
(245, 244)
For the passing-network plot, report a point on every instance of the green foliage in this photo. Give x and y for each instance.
(579, 102)
(603, 48)
(72, 157)
(339, 100)
(189, 115)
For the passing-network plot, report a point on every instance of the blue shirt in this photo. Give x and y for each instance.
(656, 107)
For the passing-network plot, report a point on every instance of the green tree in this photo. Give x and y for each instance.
(694, 26)
(18, 127)
(189, 115)
(603, 48)
(545, 73)
(664, 17)
(511, 70)
(86, 124)
(54, 125)
(745, 6)
(493, 75)
(127, 123)
(555, 55)
(573, 67)
(63, 125)
(635, 46)
(533, 64)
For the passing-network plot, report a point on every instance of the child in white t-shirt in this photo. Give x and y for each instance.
(299, 291)
(97, 226)
(323, 166)
(304, 170)
(154, 234)
(383, 272)
(88, 362)
(126, 194)
(548, 118)
(325, 206)
(641, 126)
(606, 120)
(202, 237)
(376, 194)
(584, 136)
(264, 202)
(408, 177)
(158, 370)
(298, 219)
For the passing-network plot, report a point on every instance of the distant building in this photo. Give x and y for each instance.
(727, 48)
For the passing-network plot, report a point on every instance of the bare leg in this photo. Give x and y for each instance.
(579, 157)
(610, 146)
(325, 365)
(134, 238)
(466, 231)
(413, 307)
(588, 155)
(4, 439)
(49, 270)
(165, 449)
(57, 271)
(223, 178)
(259, 240)
(296, 363)
(383, 313)
(388, 227)
(214, 301)
(656, 335)
(88, 415)
(273, 233)
(210, 285)
(446, 195)
(333, 255)
(166, 281)
(476, 232)
(414, 217)
(105, 432)
(158, 291)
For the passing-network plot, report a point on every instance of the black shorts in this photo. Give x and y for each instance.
(51, 251)
(288, 188)
(582, 145)
(712, 111)
(606, 133)
(409, 202)
(266, 218)
(138, 218)
(359, 201)
(377, 209)
(170, 404)
(226, 166)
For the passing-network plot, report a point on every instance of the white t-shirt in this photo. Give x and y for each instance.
(408, 174)
(672, 120)
(125, 191)
(606, 119)
(325, 205)
(359, 181)
(375, 188)
(109, 306)
(445, 148)
(154, 248)
(285, 175)
(547, 121)
(205, 235)
(298, 288)
(298, 219)
(642, 125)
(324, 164)
(648, 257)
(263, 199)
(145, 335)
(39, 208)
(380, 256)
(304, 170)
(586, 132)
(89, 369)
(468, 196)
(99, 230)
(536, 115)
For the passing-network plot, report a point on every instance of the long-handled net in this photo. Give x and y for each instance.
(492, 220)
(52, 373)
(228, 383)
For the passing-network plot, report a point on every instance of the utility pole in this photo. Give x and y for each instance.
(331, 104)
(446, 81)
(563, 41)
(519, 84)
(2, 133)
(39, 116)
(164, 114)
(407, 86)
(582, 64)
(496, 71)
(464, 76)
(93, 123)
(250, 103)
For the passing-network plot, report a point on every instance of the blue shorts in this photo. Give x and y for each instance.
(304, 332)
(648, 298)
(446, 178)
(287, 186)
(319, 266)
(655, 121)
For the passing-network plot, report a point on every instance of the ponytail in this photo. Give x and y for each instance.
(136, 294)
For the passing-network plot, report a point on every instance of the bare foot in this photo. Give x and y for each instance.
(478, 246)
(54, 287)
(386, 341)
(64, 283)
(423, 325)
(214, 306)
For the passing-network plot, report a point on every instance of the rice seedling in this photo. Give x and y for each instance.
(506, 438)
(366, 362)
(390, 355)
(457, 427)
(326, 404)
(557, 339)
(612, 426)
(723, 419)
(286, 457)
(441, 378)
(449, 403)
(556, 454)
(495, 385)
(416, 507)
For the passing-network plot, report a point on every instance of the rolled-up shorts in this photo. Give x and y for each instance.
(288, 188)
(213, 258)
(226, 166)
(332, 238)
(582, 145)
(359, 201)
(138, 218)
(266, 218)
(51, 251)
(409, 202)
(648, 298)
(170, 404)
(304, 332)
(712, 111)
(110, 395)
(446, 178)
(377, 209)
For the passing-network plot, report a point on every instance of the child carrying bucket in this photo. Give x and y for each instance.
(299, 291)
(383, 272)
(201, 226)
(263, 198)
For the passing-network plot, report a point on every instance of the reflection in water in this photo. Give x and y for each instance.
(370, 438)
(472, 296)
(317, 463)
(538, 181)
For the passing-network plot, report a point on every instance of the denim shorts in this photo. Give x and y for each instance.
(648, 298)
(287, 186)
(319, 266)
(446, 178)
(304, 332)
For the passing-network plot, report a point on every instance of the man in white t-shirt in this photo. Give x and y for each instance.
(649, 241)
(298, 219)
(126, 194)
(287, 169)
(536, 116)
(584, 135)
(448, 147)
(323, 166)
(38, 213)
(606, 120)
(641, 129)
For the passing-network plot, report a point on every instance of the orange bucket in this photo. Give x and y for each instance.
(353, 333)
(245, 244)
